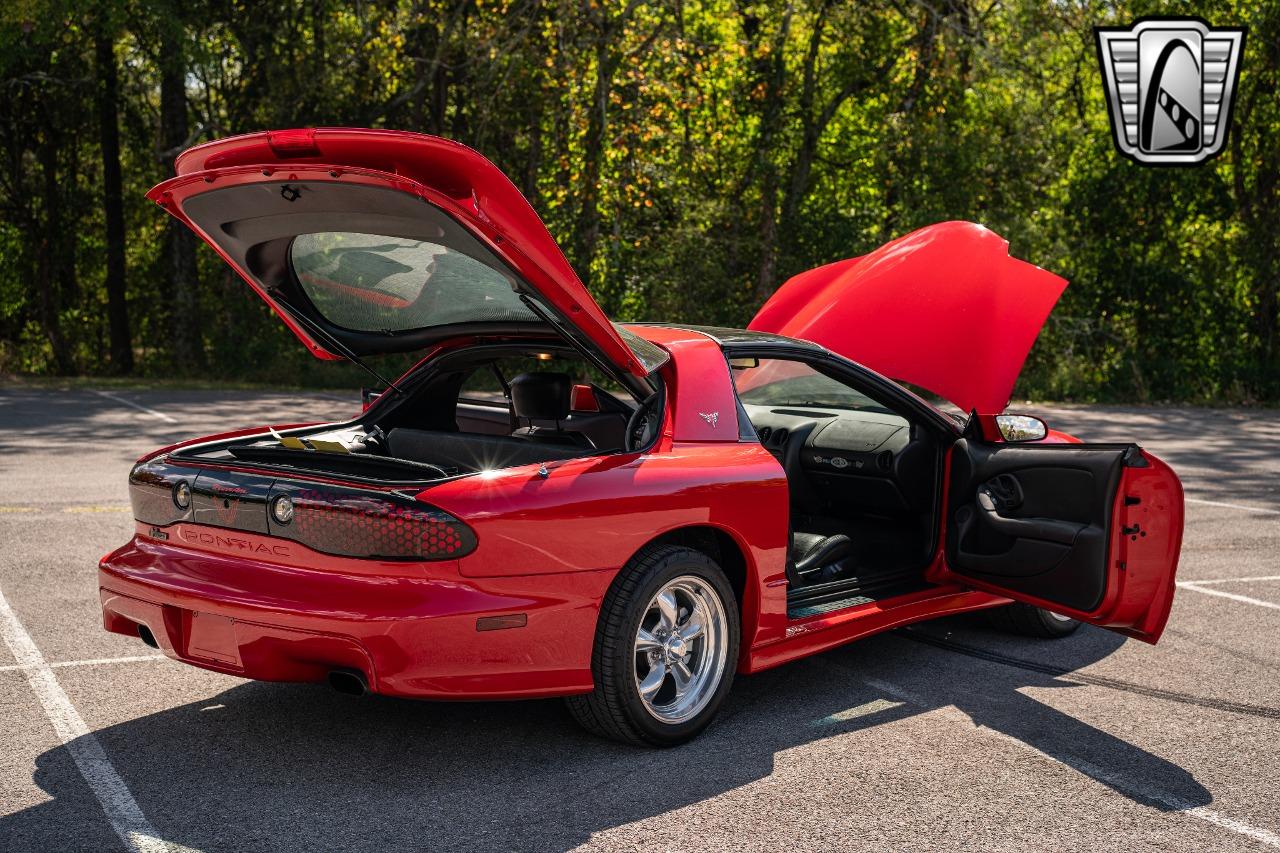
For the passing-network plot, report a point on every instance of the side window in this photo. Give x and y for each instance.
(482, 387)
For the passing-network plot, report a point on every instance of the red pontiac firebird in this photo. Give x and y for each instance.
(551, 504)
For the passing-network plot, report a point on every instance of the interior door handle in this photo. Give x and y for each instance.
(1048, 529)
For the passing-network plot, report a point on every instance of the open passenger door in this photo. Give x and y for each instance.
(1090, 531)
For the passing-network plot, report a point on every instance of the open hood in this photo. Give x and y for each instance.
(945, 308)
(386, 242)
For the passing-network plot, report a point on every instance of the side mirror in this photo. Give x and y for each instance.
(1021, 427)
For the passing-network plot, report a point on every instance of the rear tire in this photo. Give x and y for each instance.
(665, 651)
(1030, 621)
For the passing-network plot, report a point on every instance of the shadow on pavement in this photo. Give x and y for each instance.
(285, 767)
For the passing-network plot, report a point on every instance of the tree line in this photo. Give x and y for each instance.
(689, 155)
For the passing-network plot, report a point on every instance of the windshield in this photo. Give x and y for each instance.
(781, 382)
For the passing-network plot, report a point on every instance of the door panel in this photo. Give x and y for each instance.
(1034, 521)
(1146, 549)
(1092, 531)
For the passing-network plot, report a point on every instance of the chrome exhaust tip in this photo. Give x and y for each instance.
(349, 681)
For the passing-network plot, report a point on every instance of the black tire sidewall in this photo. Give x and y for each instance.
(678, 564)
(1027, 620)
(1054, 627)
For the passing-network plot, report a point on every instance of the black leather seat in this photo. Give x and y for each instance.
(811, 552)
(545, 397)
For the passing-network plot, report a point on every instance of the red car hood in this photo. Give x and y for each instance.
(945, 308)
(450, 177)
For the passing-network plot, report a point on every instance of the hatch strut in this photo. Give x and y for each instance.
(554, 322)
(329, 340)
(506, 392)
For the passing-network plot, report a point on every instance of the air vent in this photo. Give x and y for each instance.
(764, 433)
(780, 437)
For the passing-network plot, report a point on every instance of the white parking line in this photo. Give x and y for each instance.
(1244, 599)
(89, 662)
(1233, 506)
(866, 709)
(1198, 582)
(122, 810)
(161, 415)
(1123, 784)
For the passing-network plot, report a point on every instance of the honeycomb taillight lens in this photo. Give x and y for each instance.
(353, 523)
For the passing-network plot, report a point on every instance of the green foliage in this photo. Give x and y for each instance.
(689, 155)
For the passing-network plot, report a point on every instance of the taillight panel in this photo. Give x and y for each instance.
(357, 523)
(151, 490)
(231, 499)
(345, 522)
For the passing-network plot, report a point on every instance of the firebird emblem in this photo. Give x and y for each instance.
(710, 417)
(227, 511)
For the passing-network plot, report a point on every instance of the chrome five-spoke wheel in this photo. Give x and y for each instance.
(666, 648)
(681, 649)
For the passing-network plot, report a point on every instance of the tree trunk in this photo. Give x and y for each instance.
(54, 278)
(1256, 189)
(533, 156)
(586, 232)
(771, 77)
(180, 250)
(113, 202)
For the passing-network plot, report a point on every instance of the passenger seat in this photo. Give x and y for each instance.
(811, 552)
(545, 397)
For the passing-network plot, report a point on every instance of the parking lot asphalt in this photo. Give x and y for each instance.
(945, 735)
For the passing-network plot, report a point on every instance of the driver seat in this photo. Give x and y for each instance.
(812, 552)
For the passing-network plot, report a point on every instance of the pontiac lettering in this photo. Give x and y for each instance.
(232, 543)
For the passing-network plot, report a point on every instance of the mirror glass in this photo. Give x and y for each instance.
(1021, 427)
(744, 363)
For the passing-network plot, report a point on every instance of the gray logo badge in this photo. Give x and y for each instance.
(1170, 83)
(710, 417)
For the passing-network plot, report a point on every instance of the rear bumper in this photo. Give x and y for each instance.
(410, 628)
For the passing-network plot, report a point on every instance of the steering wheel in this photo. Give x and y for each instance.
(638, 425)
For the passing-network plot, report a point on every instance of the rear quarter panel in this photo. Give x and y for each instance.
(595, 513)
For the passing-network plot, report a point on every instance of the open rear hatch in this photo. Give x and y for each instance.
(380, 241)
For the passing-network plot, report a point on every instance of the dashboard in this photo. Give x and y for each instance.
(849, 459)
